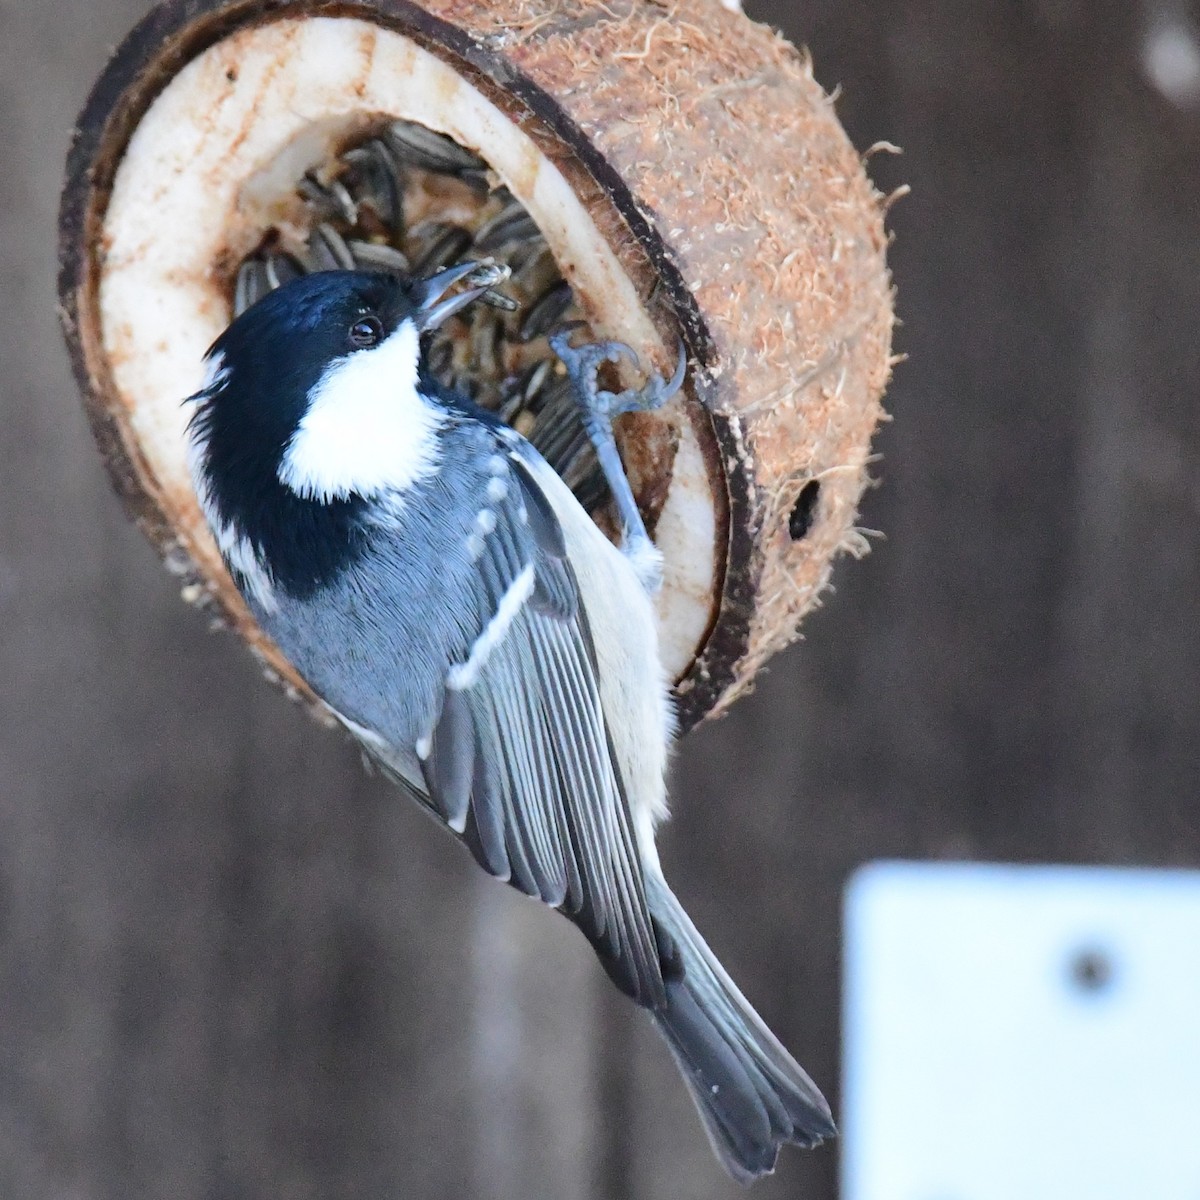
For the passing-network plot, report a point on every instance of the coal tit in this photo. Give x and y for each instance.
(441, 589)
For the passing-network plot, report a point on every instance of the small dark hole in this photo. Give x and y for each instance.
(804, 510)
(1091, 970)
(231, 75)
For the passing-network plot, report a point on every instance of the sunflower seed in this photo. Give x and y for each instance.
(546, 312)
(519, 255)
(499, 300)
(439, 358)
(535, 379)
(328, 249)
(312, 192)
(347, 208)
(444, 250)
(374, 256)
(511, 224)
(477, 180)
(465, 383)
(422, 147)
(251, 285)
(488, 274)
(539, 272)
(376, 176)
(486, 336)
(330, 199)
(510, 404)
(281, 269)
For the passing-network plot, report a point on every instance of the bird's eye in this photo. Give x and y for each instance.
(366, 332)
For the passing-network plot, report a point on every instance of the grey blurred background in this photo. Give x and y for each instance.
(233, 967)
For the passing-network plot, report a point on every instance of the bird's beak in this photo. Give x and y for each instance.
(432, 310)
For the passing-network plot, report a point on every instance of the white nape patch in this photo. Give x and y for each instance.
(216, 375)
(236, 549)
(368, 430)
(497, 489)
(464, 675)
(485, 522)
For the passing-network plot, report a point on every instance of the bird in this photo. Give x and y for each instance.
(442, 591)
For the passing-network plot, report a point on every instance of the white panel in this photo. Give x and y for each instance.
(1021, 1033)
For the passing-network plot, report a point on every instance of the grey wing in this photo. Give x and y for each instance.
(518, 761)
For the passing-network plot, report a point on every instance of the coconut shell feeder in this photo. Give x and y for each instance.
(660, 173)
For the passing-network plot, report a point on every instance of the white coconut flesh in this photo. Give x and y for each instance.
(213, 165)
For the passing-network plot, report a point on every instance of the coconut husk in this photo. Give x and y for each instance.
(715, 175)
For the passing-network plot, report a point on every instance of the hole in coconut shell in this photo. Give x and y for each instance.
(403, 198)
(804, 511)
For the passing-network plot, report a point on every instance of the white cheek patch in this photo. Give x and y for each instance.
(368, 430)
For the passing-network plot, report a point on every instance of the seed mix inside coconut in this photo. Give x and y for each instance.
(406, 199)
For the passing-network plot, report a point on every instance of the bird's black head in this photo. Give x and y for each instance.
(266, 365)
(311, 410)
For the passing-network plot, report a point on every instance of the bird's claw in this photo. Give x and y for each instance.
(598, 408)
(585, 361)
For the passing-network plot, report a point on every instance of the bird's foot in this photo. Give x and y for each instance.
(598, 408)
(584, 362)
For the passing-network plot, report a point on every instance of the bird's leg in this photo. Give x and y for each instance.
(597, 408)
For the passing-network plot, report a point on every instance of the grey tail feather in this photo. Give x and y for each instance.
(751, 1094)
